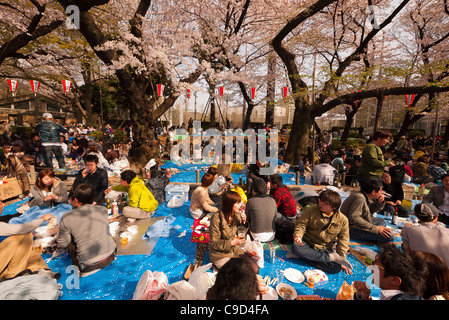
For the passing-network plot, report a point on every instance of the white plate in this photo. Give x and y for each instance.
(293, 275)
(270, 295)
(285, 285)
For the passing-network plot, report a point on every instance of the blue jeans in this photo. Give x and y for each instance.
(47, 153)
(369, 236)
(317, 258)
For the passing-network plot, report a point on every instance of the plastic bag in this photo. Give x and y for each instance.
(255, 249)
(346, 292)
(202, 280)
(113, 195)
(176, 201)
(150, 286)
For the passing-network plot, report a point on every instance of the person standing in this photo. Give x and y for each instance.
(373, 162)
(49, 132)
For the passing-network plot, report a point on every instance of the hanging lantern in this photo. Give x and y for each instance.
(253, 93)
(35, 85)
(221, 91)
(66, 84)
(188, 93)
(285, 92)
(159, 90)
(13, 86)
(409, 99)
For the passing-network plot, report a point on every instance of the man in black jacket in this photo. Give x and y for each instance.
(96, 177)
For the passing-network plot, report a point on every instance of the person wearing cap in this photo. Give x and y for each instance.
(429, 235)
(439, 197)
(49, 132)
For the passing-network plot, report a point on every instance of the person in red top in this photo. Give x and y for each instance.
(285, 202)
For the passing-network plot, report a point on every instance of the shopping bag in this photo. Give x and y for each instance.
(255, 249)
(150, 286)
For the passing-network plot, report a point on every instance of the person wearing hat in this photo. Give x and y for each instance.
(49, 132)
(429, 235)
(261, 212)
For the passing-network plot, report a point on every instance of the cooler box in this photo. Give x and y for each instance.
(176, 189)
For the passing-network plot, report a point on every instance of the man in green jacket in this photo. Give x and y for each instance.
(373, 162)
(142, 203)
(316, 230)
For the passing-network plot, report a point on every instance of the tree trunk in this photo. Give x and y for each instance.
(303, 121)
(380, 103)
(271, 89)
(350, 114)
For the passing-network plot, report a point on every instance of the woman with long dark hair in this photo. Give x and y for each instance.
(224, 243)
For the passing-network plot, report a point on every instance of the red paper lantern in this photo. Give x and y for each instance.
(221, 91)
(35, 85)
(13, 84)
(67, 85)
(253, 93)
(285, 92)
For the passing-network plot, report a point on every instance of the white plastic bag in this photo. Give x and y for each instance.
(176, 201)
(255, 249)
(202, 280)
(113, 195)
(150, 286)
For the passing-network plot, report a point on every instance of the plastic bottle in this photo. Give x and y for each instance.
(115, 209)
(394, 217)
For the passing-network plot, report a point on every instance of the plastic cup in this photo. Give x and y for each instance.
(279, 276)
(272, 255)
(310, 282)
(124, 237)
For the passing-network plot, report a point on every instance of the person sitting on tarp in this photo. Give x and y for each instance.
(393, 202)
(357, 208)
(317, 229)
(48, 190)
(84, 231)
(142, 203)
(261, 213)
(93, 176)
(201, 205)
(17, 256)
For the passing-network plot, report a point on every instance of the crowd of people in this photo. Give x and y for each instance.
(319, 232)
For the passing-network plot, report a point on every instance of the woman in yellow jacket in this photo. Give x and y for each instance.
(142, 203)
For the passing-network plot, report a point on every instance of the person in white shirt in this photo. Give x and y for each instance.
(324, 173)
(400, 275)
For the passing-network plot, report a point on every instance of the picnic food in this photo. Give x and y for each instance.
(285, 290)
(346, 292)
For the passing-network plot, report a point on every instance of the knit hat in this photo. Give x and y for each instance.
(260, 186)
(47, 115)
(426, 212)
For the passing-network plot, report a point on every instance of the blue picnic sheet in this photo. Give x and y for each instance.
(172, 254)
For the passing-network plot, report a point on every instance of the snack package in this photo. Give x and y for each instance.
(318, 275)
(346, 292)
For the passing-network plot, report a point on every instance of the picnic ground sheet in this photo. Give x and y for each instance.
(174, 253)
